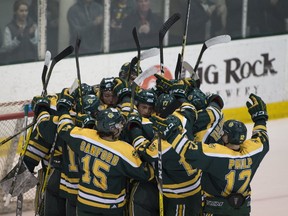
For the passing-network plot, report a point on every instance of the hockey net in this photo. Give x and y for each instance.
(11, 122)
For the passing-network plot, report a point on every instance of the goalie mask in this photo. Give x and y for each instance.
(236, 131)
(110, 122)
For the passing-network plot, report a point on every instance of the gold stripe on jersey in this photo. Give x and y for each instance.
(94, 145)
(146, 121)
(185, 184)
(33, 156)
(101, 200)
(64, 120)
(39, 147)
(247, 149)
(182, 119)
(182, 193)
(101, 194)
(97, 205)
(180, 210)
(71, 180)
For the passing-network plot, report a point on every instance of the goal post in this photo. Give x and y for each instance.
(12, 121)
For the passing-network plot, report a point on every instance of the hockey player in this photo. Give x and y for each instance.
(70, 175)
(105, 161)
(230, 167)
(39, 149)
(144, 195)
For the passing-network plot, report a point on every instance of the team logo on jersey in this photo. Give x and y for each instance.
(212, 146)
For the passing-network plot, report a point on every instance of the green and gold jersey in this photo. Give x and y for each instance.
(226, 171)
(105, 167)
(208, 126)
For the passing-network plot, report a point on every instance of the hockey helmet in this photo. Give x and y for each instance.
(109, 120)
(124, 70)
(236, 131)
(166, 104)
(90, 105)
(146, 96)
(107, 84)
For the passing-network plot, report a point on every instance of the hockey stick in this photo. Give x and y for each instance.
(191, 71)
(166, 26)
(77, 46)
(211, 42)
(45, 67)
(178, 69)
(139, 79)
(19, 203)
(56, 59)
(47, 174)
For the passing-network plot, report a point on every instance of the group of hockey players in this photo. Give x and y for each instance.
(106, 150)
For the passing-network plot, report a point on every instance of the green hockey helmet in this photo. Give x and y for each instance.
(90, 105)
(124, 70)
(236, 131)
(166, 104)
(107, 84)
(109, 120)
(146, 96)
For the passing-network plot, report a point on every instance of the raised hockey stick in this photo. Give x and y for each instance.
(178, 69)
(77, 46)
(19, 203)
(45, 67)
(139, 79)
(166, 26)
(56, 59)
(191, 71)
(211, 42)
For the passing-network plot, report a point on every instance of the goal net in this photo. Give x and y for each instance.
(12, 121)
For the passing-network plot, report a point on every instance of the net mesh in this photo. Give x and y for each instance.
(11, 122)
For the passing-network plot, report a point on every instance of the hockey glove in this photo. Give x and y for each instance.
(179, 89)
(167, 128)
(190, 82)
(134, 120)
(163, 85)
(84, 121)
(65, 101)
(257, 110)
(215, 98)
(40, 104)
(197, 98)
(121, 89)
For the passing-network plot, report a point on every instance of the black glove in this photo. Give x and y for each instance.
(167, 128)
(84, 121)
(65, 101)
(121, 88)
(134, 120)
(40, 104)
(257, 110)
(197, 98)
(179, 89)
(163, 85)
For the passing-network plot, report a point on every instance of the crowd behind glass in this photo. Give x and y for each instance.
(67, 19)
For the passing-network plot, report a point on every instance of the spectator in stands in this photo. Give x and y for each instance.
(267, 17)
(119, 11)
(52, 22)
(20, 35)
(147, 24)
(85, 19)
(218, 18)
(200, 13)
